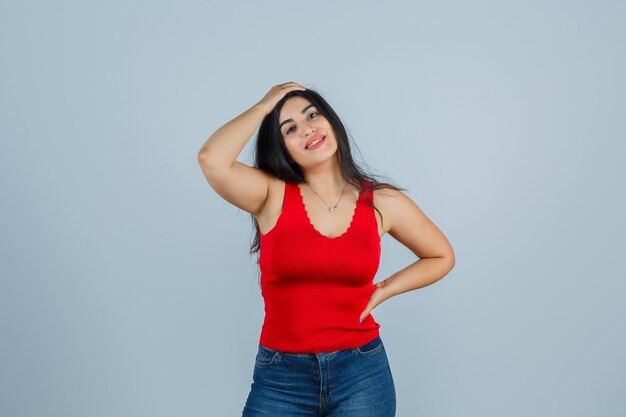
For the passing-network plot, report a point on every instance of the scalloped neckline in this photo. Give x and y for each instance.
(306, 214)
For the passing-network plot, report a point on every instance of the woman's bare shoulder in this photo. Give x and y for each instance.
(386, 202)
(387, 196)
(407, 223)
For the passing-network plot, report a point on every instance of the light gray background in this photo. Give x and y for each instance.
(126, 286)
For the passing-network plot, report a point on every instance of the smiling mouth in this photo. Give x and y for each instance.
(316, 143)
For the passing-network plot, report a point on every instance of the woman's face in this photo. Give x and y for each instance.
(300, 124)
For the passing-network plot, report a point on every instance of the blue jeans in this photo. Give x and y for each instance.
(348, 383)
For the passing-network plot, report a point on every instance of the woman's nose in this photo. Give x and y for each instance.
(308, 130)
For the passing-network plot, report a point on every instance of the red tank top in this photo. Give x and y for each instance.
(315, 287)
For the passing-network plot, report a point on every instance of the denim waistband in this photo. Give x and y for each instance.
(372, 342)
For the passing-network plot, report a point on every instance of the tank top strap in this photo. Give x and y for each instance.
(289, 200)
(365, 192)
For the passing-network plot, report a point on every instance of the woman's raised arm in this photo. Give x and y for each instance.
(244, 186)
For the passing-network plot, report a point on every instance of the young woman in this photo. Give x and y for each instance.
(319, 219)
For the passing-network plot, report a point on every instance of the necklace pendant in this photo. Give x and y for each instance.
(331, 209)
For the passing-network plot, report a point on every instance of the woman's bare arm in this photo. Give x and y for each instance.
(408, 224)
(241, 185)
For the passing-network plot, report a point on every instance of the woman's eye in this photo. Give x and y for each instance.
(289, 130)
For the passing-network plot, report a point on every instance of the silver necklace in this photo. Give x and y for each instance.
(331, 209)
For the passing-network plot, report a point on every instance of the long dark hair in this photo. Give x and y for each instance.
(270, 154)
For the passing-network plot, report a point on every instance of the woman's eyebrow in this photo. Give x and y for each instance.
(291, 120)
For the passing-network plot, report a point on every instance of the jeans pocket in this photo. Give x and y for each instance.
(371, 347)
(265, 356)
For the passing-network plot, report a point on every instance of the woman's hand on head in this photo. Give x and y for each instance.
(276, 93)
